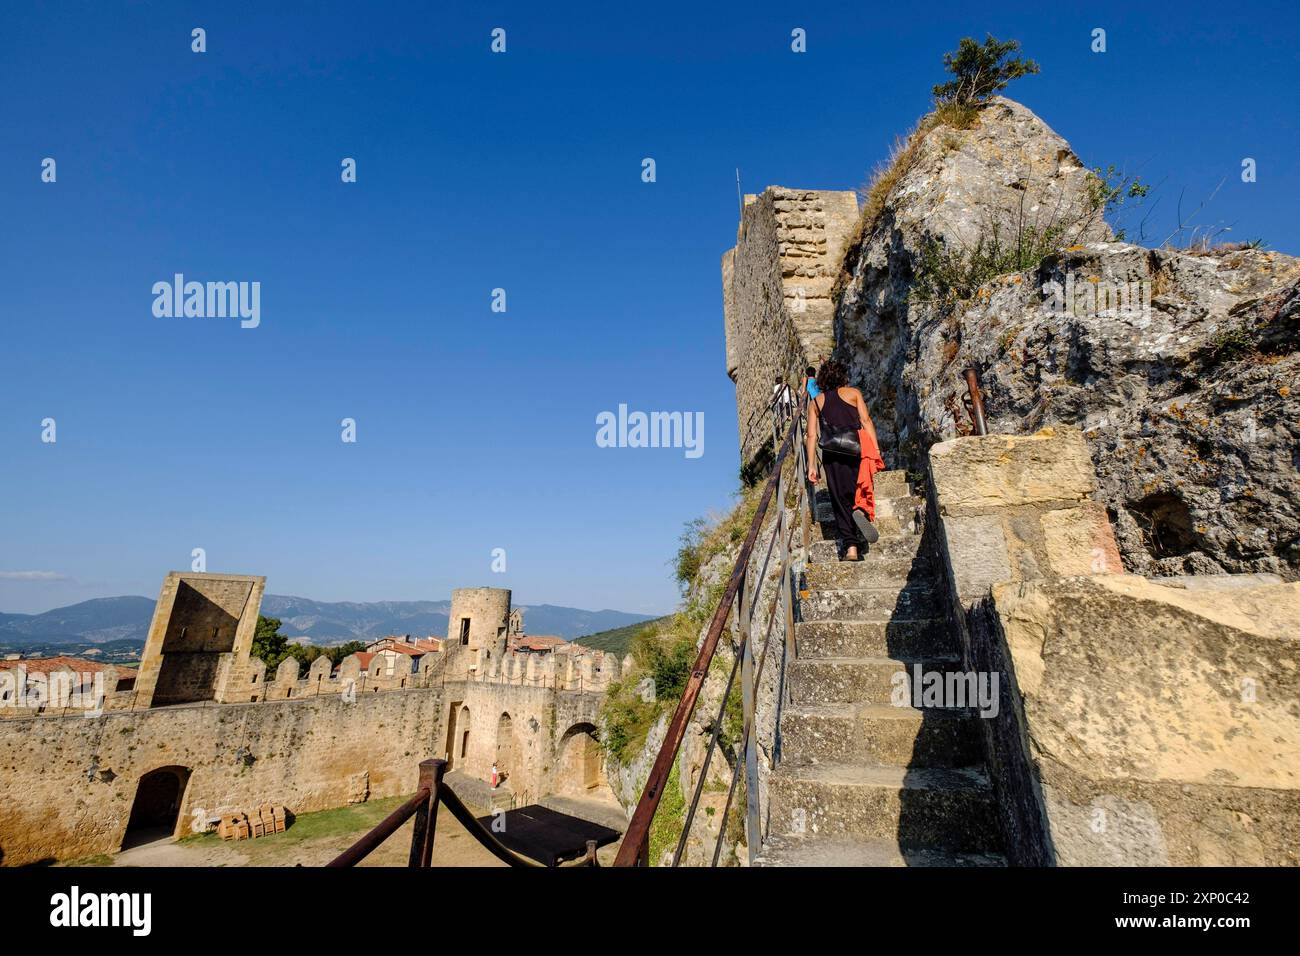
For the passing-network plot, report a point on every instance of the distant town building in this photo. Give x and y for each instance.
(397, 654)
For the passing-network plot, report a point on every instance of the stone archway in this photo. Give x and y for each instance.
(155, 814)
(461, 748)
(455, 726)
(506, 751)
(580, 769)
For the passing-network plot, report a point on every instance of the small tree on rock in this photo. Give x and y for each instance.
(980, 70)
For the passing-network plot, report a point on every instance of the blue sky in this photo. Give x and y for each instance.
(476, 430)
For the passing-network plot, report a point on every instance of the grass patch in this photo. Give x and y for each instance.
(350, 820)
(701, 541)
(666, 827)
(667, 650)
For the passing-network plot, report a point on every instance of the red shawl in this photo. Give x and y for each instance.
(863, 495)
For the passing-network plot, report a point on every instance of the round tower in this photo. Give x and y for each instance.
(480, 620)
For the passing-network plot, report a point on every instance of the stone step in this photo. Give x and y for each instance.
(845, 851)
(824, 551)
(866, 680)
(870, 604)
(872, 571)
(888, 503)
(825, 530)
(930, 807)
(882, 734)
(890, 483)
(898, 639)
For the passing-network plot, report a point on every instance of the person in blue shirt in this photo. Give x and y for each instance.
(810, 382)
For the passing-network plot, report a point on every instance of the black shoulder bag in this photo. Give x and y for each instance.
(837, 439)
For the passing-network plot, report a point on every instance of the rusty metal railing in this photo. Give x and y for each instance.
(974, 402)
(431, 792)
(743, 587)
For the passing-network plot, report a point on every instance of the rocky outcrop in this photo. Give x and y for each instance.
(1139, 722)
(1181, 748)
(1179, 366)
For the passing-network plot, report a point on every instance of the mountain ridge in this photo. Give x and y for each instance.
(127, 617)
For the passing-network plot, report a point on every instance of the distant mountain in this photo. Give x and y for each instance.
(95, 622)
(619, 639)
(331, 622)
(569, 622)
(324, 622)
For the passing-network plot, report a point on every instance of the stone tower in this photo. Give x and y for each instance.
(479, 623)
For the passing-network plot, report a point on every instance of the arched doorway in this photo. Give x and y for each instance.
(156, 810)
(579, 771)
(457, 723)
(505, 754)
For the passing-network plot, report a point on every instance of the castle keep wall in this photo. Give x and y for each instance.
(776, 286)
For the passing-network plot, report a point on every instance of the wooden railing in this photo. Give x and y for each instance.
(423, 807)
(740, 597)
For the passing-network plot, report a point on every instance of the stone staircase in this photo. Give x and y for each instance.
(862, 782)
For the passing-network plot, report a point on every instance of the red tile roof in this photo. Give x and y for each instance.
(45, 665)
(536, 642)
(406, 649)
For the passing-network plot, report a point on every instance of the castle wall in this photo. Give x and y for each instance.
(543, 706)
(69, 771)
(67, 784)
(777, 281)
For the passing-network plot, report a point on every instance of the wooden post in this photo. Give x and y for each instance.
(426, 818)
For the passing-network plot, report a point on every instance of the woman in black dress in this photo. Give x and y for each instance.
(843, 407)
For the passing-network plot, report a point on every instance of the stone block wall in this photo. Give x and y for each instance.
(523, 730)
(201, 624)
(1139, 723)
(67, 784)
(776, 290)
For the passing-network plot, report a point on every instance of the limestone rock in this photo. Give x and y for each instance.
(1180, 367)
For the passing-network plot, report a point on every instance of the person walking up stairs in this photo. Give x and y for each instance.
(862, 782)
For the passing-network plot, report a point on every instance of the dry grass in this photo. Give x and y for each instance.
(903, 154)
(1206, 247)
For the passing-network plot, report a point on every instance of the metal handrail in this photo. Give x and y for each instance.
(635, 847)
(974, 402)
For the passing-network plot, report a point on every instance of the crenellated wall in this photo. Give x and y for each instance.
(70, 774)
(67, 784)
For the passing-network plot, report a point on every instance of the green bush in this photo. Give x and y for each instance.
(979, 71)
